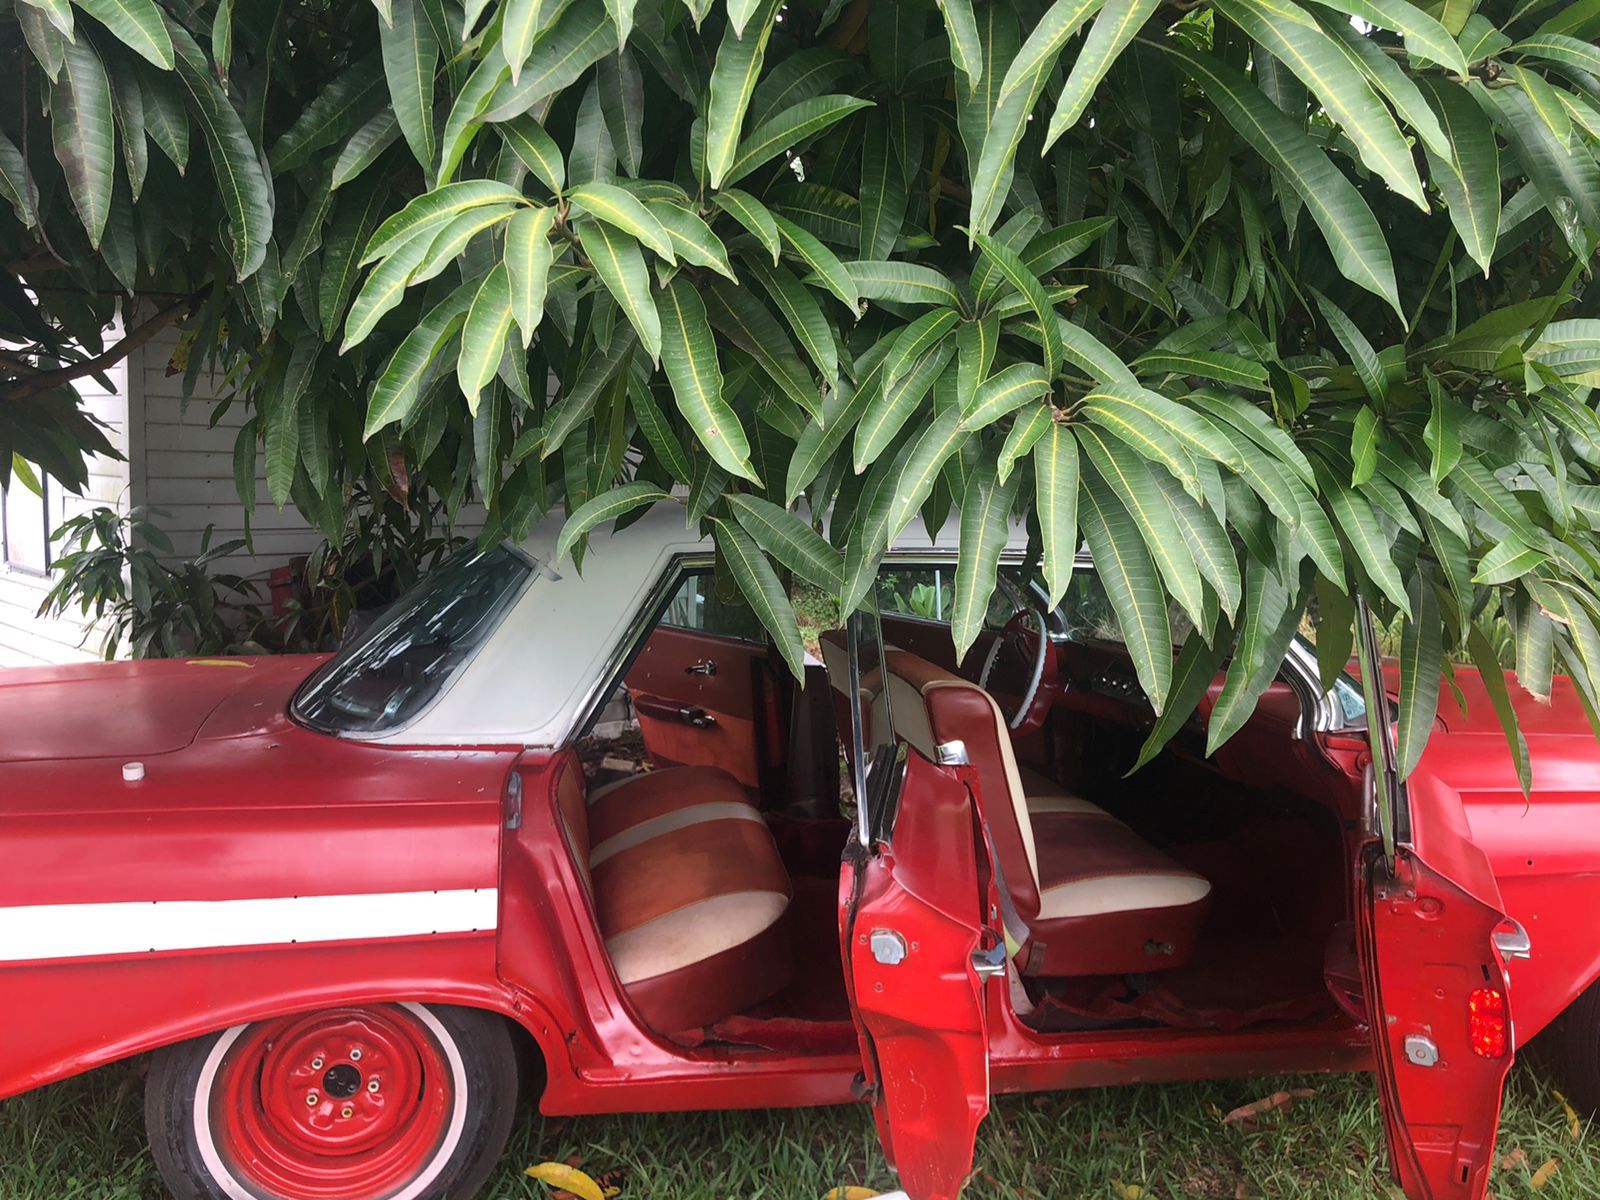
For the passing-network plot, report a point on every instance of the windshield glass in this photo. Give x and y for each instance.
(390, 673)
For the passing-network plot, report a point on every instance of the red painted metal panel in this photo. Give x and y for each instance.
(921, 1018)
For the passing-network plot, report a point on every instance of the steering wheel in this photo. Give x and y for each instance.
(1030, 658)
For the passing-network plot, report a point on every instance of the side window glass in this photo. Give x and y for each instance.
(698, 605)
(924, 592)
(1086, 611)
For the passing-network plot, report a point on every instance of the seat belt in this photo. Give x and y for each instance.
(1013, 928)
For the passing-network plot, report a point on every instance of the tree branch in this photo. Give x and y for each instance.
(44, 381)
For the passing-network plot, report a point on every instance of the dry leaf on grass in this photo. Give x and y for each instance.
(850, 1193)
(1514, 1160)
(1249, 1114)
(1543, 1174)
(1574, 1125)
(569, 1183)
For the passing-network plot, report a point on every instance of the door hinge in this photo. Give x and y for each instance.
(862, 1090)
(1512, 940)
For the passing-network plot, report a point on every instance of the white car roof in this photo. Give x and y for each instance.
(568, 633)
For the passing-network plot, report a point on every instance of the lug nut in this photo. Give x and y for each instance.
(312, 1099)
(316, 1063)
(347, 1112)
(372, 1085)
(355, 1055)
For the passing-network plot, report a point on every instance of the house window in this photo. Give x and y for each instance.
(25, 523)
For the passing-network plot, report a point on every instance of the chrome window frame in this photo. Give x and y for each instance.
(1320, 711)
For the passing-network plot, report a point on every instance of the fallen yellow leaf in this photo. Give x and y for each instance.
(1574, 1125)
(1543, 1174)
(1132, 1191)
(850, 1193)
(567, 1179)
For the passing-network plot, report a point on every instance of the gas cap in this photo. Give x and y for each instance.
(887, 946)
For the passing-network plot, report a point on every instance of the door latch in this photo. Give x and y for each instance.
(696, 716)
(1421, 1051)
(704, 666)
(887, 947)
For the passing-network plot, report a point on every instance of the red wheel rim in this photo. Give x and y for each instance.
(344, 1104)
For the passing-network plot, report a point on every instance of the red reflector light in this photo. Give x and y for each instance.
(1487, 1028)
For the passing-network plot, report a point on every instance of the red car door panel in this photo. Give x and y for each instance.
(1429, 910)
(700, 700)
(910, 922)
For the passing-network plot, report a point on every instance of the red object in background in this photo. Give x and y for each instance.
(283, 585)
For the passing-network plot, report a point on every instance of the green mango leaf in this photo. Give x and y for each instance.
(733, 81)
(621, 268)
(689, 355)
(1129, 577)
(527, 257)
(1113, 29)
(985, 527)
(410, 58)
(1421, 663)
(137, 24)
(483, 338)
(1494, 683)
(760, 585)
(84, 135)
(1055, 474)
(787, 538)
(1353, 234)
(399, 386)
(612, 204)
(608, 506)
(788, 129)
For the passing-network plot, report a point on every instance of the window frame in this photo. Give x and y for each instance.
(24, 568)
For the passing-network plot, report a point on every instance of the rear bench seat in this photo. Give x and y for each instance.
(688, 890)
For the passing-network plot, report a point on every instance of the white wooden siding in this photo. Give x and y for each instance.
(27, 639)
(183, 466)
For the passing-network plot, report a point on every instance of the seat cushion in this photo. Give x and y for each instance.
(1109, 902)
(690, 895)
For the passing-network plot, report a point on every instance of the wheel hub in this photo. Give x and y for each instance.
(347, 1104)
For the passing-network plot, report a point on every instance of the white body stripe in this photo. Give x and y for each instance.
(53, 931)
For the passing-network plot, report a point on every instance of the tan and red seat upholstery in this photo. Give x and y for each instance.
(688, 890)
(1098, 899)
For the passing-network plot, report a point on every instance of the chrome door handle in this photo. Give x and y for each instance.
(704, 667)
(696, 716)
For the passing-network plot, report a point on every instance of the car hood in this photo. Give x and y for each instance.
(132, 710)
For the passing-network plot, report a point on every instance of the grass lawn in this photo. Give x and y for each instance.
(83, 1140)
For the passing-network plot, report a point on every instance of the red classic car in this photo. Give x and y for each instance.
(585, 834)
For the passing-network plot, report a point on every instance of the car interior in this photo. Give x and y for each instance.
(716, 795)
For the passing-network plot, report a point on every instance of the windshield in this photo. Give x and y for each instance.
(391, 672)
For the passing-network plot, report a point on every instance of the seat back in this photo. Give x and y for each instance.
(933, 706)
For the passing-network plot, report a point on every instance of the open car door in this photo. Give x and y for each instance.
(1432, 938)
(913, 943)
